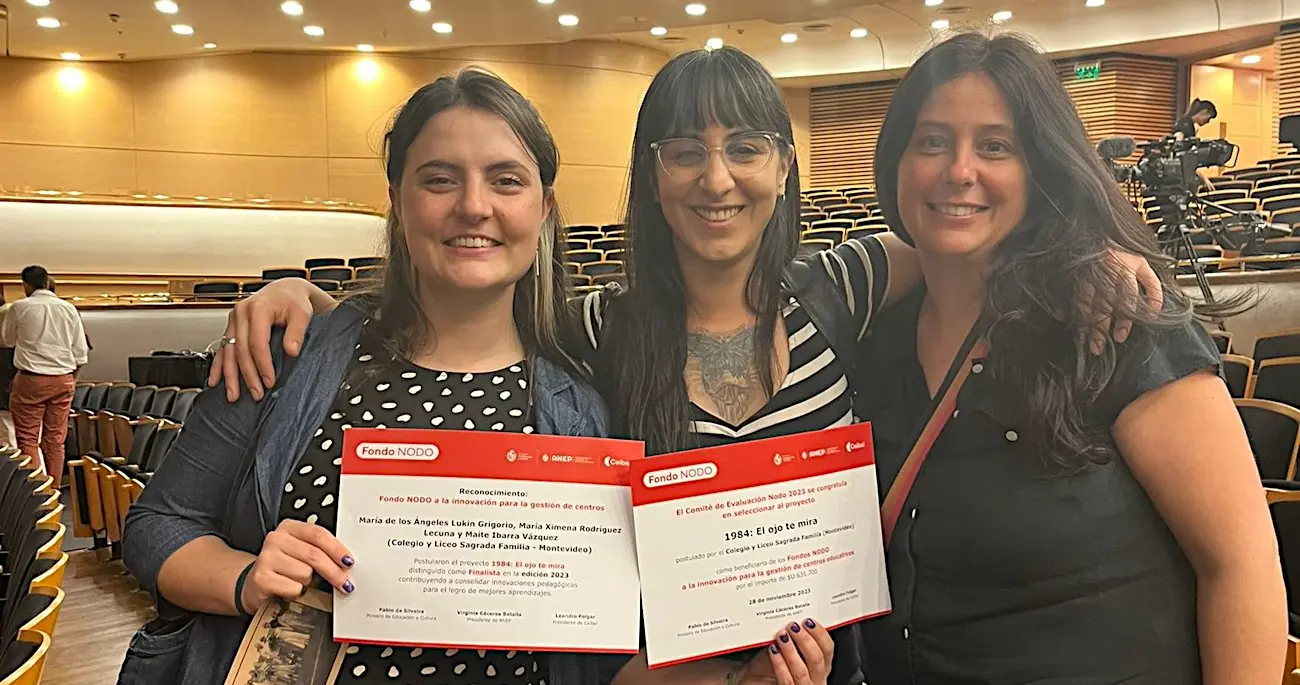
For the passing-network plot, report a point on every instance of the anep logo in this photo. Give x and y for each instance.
(681, 474)
(375, 450)
(611, 462)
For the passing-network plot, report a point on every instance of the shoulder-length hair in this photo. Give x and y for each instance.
(642, 361)
(540, 296)
(1056, 255)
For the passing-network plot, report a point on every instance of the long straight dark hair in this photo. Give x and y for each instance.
(1058, 252)
(540, 296)
(642, 360)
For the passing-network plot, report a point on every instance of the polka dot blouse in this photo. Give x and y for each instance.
(400, 394)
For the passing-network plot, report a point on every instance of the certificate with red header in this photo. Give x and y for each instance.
(736, 542)
(484, 540)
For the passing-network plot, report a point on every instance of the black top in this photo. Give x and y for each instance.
(1185, 126)
(1005, 568)
(402, 395)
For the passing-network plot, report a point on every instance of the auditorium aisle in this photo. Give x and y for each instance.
(102, 609)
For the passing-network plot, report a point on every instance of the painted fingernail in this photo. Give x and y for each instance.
(794, 627)
(785, 638)
(775, 649)
(348, 586)
(810, 623)
(347, 560)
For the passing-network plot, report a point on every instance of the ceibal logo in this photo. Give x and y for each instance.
(681, 474)
(611, 462)
(375, 450)
(851, 446)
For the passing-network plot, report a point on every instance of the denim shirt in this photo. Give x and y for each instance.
(201, 489)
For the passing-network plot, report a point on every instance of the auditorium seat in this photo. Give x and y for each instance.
(23, 661)
(595, 269)
(1219, 196)
(578, 280)
(1222, 340)
(1226, 183)
(840, 224)
(835, 235)
(1286, 187)
(1286, 250)
(370, 273)
(606, 244)
(1276, 379)
(331, 273)
(39, 610)
(251, 287)
(362, 262)
(317, 262)
(605, 279)
(158, 449)
(355, 285)
(584, 256)
(1236, 373)
(283, 272)
(328, 286)
(1280, 343)
(576, 244)
(181, 406)
(216, 290)
(616, 255)
(162, 402)
(861, 232)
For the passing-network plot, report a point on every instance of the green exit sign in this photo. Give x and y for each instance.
(1087, 71)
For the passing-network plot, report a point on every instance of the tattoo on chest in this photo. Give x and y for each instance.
(721, 366)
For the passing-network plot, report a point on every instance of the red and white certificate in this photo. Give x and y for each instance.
(736, 542)
(483, 540)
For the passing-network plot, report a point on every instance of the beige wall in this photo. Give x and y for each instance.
(1247, 105)
(796, 99)
(294, 127)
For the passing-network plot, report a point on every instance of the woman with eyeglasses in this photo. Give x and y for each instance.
(719, 336)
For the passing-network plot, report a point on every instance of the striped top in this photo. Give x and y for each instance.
(815, 393)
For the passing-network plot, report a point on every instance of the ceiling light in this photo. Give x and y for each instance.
(209, 46)
(568, 20)
(167, 7)
(546, 2)
(658, 31)
(441, 27)
(313, 30)
(1002, 15)
(933, 3)
(292, 8)
(366, 47)
(939, 24)
(789, 38)
(1094, 3)
(858, 33)
(696, 9)
(48, 23)
(713, 43)
(1251, 59)
(421, 5)
(70, 57)
(39, 3)
(183, 29)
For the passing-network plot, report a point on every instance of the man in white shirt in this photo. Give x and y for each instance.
(49, 348)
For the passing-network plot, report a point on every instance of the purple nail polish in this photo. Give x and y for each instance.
(348, 587)
(785, 638)
(775, 649)
(347, 560)
(794, 627)
(810, 623)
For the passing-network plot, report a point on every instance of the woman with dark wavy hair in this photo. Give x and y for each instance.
(1081, 518)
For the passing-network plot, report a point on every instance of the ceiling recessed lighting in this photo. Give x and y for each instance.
(167, 7)
(313, 30)
(858, 33)
(1002, 15)
(70, 57)
(939, 24)
(441, 27)
(183, 29)
(1251, 59)
(658, 31)
(789, 37)
(366, 47)
(209, 46)
(421, 5)
(48, 23)
(933, 3)
(39, 3)
(292, 8)
(568, 20)
(546, 2)
(713, 43)
(1094, 3)
(696, 9)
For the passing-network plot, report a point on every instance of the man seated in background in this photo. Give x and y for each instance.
(49, 349)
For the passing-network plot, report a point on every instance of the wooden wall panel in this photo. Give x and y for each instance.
(843, 124)
(797, 101)
(1287, 47)
(293, 127)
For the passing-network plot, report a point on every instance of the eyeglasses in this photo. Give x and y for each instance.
(745, 154)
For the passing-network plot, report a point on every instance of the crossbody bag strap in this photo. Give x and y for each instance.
(940, 410)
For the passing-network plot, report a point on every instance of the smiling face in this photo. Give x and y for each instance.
(962, 182)
(718, 191)
(470, 204)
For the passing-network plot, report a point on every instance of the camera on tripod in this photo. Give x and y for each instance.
(1167, 165)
